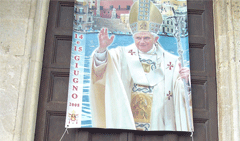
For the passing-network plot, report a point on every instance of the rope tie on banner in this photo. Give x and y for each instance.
(64, 134)
(192, 136)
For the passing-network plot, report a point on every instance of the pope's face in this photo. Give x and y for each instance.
(144, 41)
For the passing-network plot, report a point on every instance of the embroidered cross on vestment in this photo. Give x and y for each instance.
(131, 51)
(170, 65)
(169, 95)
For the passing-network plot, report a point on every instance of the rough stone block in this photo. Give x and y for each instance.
(13, 36)
(15, 9)
(9, 90)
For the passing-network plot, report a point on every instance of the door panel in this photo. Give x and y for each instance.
(55, 74)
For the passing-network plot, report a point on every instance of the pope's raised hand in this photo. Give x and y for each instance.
(104, 40)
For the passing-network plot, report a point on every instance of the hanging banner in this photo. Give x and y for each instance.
(130, 66)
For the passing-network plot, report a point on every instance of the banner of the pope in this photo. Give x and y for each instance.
(130, 66)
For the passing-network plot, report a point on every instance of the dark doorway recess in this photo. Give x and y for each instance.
(55, 73)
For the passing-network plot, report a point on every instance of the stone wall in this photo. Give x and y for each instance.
(227, 48)
(15, 39)
(22, 36)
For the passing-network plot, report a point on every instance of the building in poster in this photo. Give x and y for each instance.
(83, 15)
(169, 8)
(106, 7)
(91, 15)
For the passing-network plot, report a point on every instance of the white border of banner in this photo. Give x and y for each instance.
(75, 90)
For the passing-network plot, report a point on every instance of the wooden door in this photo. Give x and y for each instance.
(55, 73)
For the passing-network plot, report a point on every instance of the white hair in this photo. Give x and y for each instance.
(154, 34)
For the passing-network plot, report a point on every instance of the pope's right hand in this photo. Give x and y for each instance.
(104, 40)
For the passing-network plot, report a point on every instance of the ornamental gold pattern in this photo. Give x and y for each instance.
(141, 105)
(145, 16)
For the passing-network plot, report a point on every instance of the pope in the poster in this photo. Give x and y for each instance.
(140, 86)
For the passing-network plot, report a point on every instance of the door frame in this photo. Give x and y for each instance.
(35, 69)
